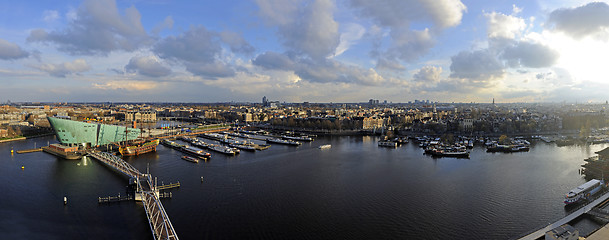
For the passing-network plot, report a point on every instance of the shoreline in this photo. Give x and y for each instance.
(25, 138)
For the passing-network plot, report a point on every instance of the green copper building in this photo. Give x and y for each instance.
(90, 134)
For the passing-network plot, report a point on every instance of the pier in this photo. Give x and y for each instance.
(111, 199)
(168, 186)
(585, 209)
(30, 150)
(147, 192)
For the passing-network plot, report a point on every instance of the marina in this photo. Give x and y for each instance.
(368, 169)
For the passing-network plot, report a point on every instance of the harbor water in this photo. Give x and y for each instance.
(353, 190)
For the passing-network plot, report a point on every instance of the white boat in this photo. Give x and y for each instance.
(326, 146)
(222, 149)
(584, 191)
(301, 138)
(196, 151)
(281, 141)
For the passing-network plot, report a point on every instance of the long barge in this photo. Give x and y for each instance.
(281, 141)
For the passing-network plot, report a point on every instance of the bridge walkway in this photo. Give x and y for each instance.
(148, 193)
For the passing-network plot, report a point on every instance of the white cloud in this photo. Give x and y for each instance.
(428, 74)
(504, 26)
(353, 32)
(50, 15)
(127, 85)
(516, 9)
(64, 69)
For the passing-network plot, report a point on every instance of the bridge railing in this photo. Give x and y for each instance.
(117, 163)
(157, 217)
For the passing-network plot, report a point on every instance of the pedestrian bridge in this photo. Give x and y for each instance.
(147, 192)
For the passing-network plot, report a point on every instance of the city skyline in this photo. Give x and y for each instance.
(304, 51)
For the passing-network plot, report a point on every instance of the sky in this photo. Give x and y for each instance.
(304, 51)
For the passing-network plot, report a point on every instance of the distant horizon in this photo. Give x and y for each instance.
(246, 102)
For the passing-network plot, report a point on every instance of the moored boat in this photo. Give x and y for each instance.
(137, 148)
(387, 144)
(63, 151)
(281, 141)
(196, 152)
(326, 146)
(298, 138)
(190, 159)
(584, 191)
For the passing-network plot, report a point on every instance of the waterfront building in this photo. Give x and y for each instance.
(597, 166)
(70, 132)
(564, 232)
(144, 116)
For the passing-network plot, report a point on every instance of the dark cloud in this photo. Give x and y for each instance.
(543, 75)
(336, 72)
(165, 24)
(408, 44)
(98, 28)
(200, 50)
(64, 69)
(308, 29)
(401, 12)
(117, 71)
(147, 66)
(211, 71)
(236, 42)
(11, 51)
(531, 55)
(196, 45)
(582, 21)
(480, 65)
(273, 60)
(393, 64)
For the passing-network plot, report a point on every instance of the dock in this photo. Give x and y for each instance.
(30, 150)
(585, 209)
(168, 186)
(112, 199)
(147, 192)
